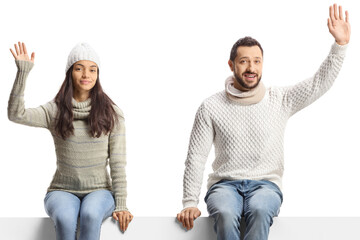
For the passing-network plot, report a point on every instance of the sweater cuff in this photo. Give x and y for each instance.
(24, 66)
(120, 205)
(189, 204)
(338, 49)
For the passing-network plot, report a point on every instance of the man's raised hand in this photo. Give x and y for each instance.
(338, 27)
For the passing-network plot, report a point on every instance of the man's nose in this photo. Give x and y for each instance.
(250, 67)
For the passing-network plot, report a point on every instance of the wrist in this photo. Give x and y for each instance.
(24, 66)
(189, 204)
(341, 42)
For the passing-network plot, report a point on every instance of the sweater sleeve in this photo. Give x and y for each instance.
(117, 153)
(36, 117)
(306, 92)
(201, 140)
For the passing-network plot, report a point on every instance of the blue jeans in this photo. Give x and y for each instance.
(66, 208)
(258, 201)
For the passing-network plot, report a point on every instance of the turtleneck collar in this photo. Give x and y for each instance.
(252, 96)
(81, 110)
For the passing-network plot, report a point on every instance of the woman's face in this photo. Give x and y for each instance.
(84, 75)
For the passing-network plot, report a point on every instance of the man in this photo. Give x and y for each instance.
(246, 123)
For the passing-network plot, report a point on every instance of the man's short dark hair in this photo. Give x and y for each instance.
(247, 42)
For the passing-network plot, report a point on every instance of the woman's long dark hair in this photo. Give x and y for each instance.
(102, 116)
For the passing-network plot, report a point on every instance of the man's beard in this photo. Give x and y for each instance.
(242, 82)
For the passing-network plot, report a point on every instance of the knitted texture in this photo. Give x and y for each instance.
(82, 51)
(82, 160)
(248, 139)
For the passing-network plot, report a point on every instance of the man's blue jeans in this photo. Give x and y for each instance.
(65, 208)
(258, 201)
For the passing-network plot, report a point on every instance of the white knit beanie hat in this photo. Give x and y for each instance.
(82, 51)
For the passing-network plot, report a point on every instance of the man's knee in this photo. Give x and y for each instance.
(227, 217)
(262, 212)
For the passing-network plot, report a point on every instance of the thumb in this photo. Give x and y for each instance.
(33, 57)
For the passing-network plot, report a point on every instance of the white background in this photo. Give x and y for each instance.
(160, 60)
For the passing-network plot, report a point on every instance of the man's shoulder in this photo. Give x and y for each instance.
(212, 104)
(215, 98)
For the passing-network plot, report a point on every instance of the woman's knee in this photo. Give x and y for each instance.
(89, 216)
(65, 220)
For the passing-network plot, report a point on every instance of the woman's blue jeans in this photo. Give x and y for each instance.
(65, 209)
(258, 201)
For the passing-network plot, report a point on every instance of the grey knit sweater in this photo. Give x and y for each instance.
(248, 139)
(81, 159)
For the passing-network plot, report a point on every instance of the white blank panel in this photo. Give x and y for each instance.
(165, 228)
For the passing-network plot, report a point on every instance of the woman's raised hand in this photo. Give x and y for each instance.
(21, 53)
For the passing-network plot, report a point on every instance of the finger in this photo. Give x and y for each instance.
(336, 12)
(191, 219)
(187, 220)
(340, 13)
(197, 214)
(12, 52)
(115, 217)
(329, 23)
(347, 16)
(33, 57)
(182, 219)
(120, 223)
(24, 48)
(177, 216)
(17, 50)
(123, 222)
(127, 222)
(21, 48)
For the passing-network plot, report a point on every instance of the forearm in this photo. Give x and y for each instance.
(117, 165)
(304, 93)
(36, 117)
(201, 139)
(193, 176)
(16, 104)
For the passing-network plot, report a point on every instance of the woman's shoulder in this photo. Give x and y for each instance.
(118, 111)
(50, 106)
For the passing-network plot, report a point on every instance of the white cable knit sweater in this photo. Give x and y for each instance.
(248, 139)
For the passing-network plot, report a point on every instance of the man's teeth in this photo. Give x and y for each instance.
(250, 76)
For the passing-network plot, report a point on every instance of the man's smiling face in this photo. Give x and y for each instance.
(247, 67)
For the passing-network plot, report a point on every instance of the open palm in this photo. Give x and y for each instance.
(21, 53)
(338, 27)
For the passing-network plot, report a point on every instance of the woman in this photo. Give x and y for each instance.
(89, 133)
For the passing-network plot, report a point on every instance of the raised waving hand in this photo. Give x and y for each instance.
(338, 26)
(21, 53)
